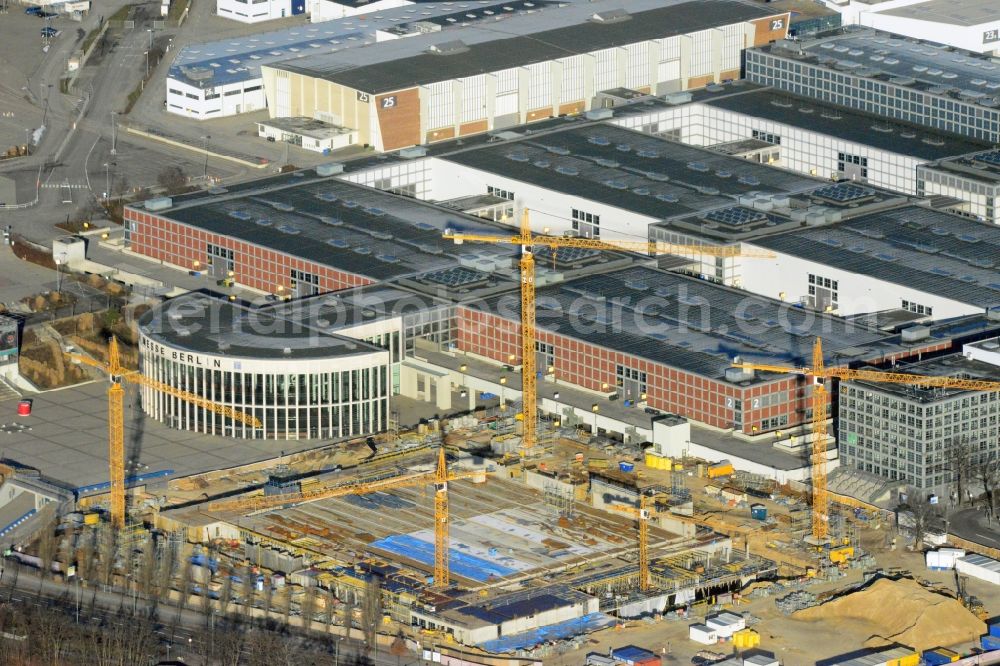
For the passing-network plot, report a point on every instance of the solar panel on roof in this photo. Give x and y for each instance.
(843, 192)
(991, 157)
(457, 276)
(735, 216)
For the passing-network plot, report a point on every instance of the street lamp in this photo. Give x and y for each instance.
(206, 139)
(60, 259)
(114, 132)
(595, 408)
(503, 382)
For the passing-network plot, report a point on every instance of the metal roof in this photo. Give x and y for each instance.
(630, 170)
(522, 41)
(207, 324)
(952, 365)
(337, 224)
(921, 248)
(691, 324)
(842, 123)
(931, 68)
(240, 58)
(966, 13)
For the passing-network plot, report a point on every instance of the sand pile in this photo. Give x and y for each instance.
(900, 611)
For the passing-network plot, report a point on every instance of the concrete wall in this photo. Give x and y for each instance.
(789, 275)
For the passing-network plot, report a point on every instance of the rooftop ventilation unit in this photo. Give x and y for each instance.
(599, 114)
(413, 152)
(610, 16)
(159, 203)
(329, 169)
(453, 47)
(198, 73)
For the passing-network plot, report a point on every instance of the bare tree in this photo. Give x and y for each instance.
(960, 462)
(47, 547)
(308, 607)
(988, 473)
(371, 609)
(919, 505)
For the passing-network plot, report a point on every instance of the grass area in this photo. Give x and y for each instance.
(177, 9)
(91, 36)
(121, 14)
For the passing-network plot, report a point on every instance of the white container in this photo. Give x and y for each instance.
(701, 633)
(979, 566)
(943, 558)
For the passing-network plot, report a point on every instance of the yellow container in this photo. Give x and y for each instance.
(654, 461)
(908, 660)
(745, 639)
(91, 518)
(842, 554)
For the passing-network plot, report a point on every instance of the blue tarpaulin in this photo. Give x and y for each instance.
(552, 632)
(466, 566)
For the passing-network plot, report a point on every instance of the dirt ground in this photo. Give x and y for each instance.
(794, 642)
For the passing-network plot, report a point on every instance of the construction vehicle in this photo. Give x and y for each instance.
(440, 478)
(841, 554)
(527, 240)
(817, 374)
(116, 417)
(971, 603)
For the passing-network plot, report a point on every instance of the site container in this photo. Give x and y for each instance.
(635, 656)
(943, 559)
(939, 656)
(702, 633)
(91, 518)
(995, 628)
(979, 566)
(988, 642)
(626, 466)
(758, 512)
(24, 408)
(719, 469)
(744, 639)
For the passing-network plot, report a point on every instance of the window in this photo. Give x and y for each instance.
(175, 92)
(305, 284)
(917, 308)
(823, 292)
(232, 92)
(766, 136)
(498, 192)
(251, 88)
(631, 382)
(852, 165)
(586, 224)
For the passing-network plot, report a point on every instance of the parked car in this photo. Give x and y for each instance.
(46, 15)
(33, 10)
(49, 32)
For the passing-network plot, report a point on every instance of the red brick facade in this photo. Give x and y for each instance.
(708, 401)
(254, 266)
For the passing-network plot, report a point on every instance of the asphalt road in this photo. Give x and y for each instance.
(971, 524)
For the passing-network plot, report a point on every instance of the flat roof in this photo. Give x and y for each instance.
(211, 64)
(465, 14)
(952, 365)
(842, 123)
(316, 129)
(966, 13)
(206, 324)
(338, 224)
(691, 324)
(908, 63)
(627, 169)
(524, 40)
(983, 167)
(921, 248)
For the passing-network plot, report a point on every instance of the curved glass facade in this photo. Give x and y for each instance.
(330, 400)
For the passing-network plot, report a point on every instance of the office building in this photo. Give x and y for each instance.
(914, 434)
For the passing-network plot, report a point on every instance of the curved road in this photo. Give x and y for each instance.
(972, 525)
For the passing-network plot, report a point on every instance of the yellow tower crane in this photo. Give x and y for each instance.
(818, 373)
(439, 478)
(527, 240)
(642, 514)
(116, 417)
